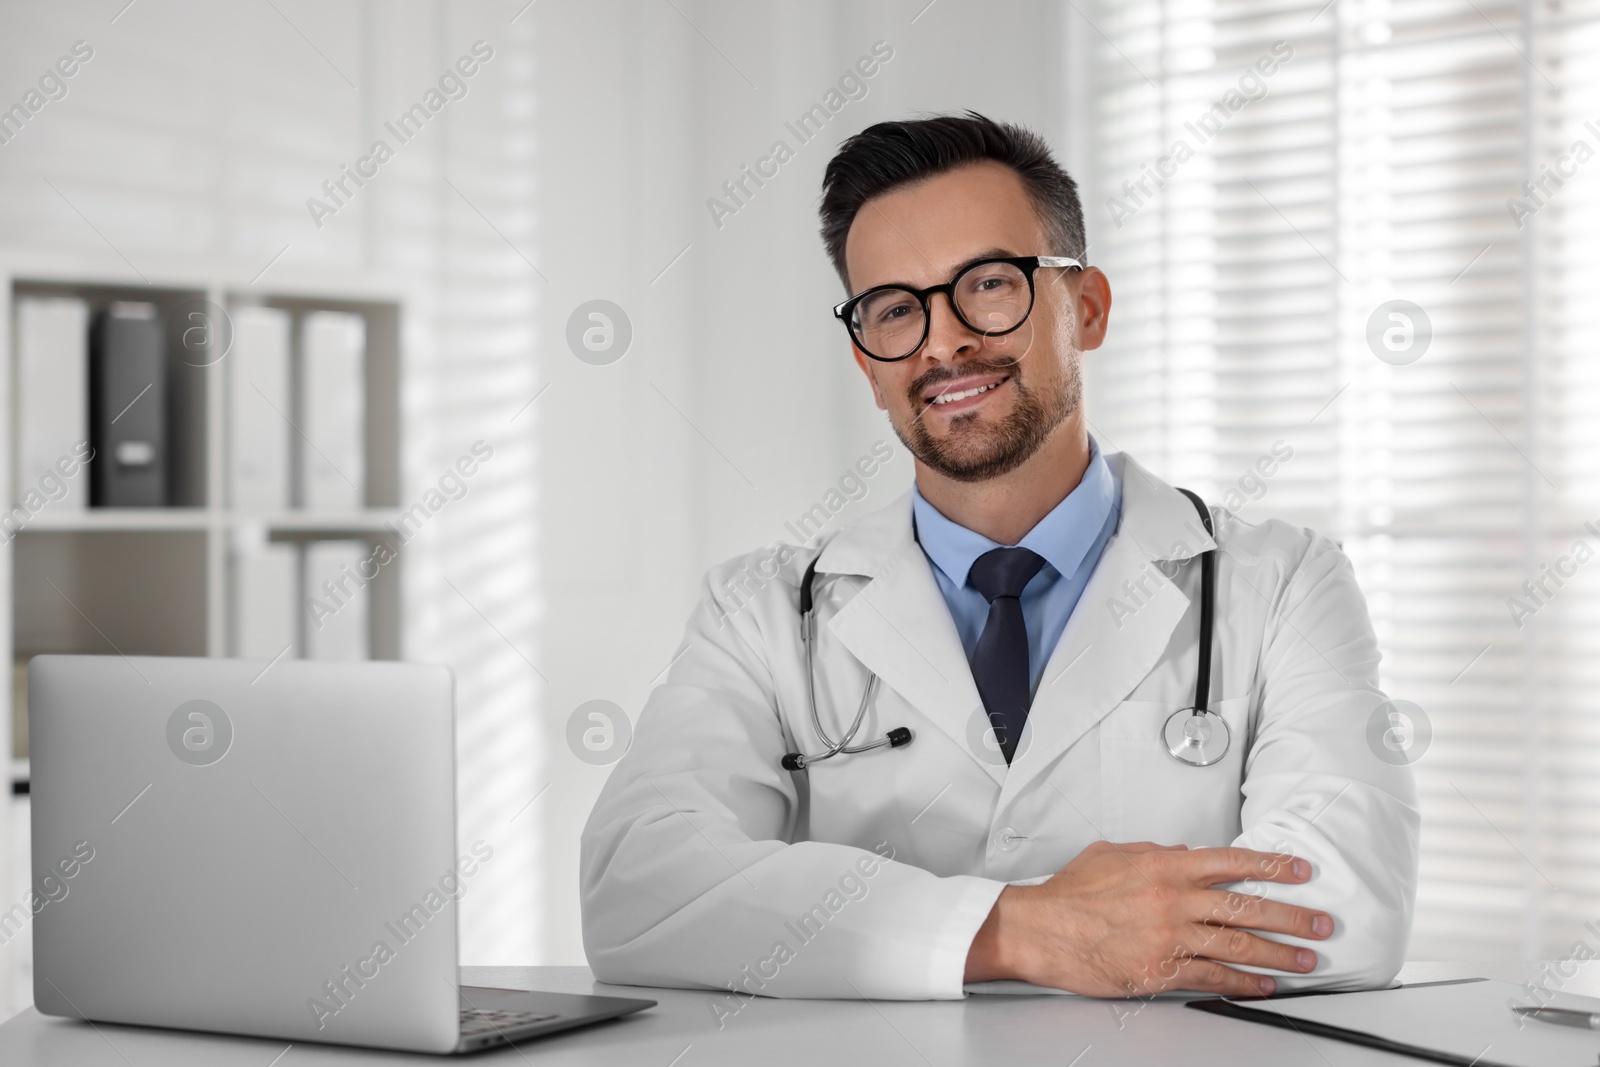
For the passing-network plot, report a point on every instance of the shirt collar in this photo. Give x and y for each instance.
(1063, 537)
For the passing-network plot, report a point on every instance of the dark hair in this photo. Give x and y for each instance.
(887, 155)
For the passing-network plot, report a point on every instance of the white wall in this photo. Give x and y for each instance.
(591, 144)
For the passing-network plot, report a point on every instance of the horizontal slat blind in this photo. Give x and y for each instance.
(1380, 162)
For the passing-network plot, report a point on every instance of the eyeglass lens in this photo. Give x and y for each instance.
(991, 297)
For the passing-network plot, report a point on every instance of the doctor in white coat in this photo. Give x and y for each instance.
(1070, 849)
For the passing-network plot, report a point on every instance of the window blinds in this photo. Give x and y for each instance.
(1258, 221)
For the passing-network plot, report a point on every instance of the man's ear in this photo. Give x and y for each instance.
(1094, 308)
(865, 363)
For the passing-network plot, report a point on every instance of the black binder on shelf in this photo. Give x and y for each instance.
(127, 407)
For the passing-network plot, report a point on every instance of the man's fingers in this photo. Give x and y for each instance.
(1256, 913)
(1135, 848)
(1209, 976)
(1229, 944)
(1209, 866)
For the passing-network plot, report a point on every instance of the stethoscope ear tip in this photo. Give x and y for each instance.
(793, 761)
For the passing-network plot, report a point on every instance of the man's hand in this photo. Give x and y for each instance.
(1138, 919)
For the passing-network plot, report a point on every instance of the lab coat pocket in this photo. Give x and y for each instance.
(1150, 795)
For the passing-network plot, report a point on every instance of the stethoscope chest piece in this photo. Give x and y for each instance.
(1198, 738)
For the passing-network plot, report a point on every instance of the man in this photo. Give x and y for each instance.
(1030, 612)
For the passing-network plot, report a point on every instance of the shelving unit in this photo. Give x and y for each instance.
(156, 581)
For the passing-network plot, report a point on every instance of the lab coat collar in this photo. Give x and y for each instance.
(900, 628)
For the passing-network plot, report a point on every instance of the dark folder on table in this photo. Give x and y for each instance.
(1467, 1022)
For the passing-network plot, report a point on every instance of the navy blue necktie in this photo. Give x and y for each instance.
(1000, 662)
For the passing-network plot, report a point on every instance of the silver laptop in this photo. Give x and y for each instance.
(230, 846)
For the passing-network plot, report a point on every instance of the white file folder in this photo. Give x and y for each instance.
(266, 584)
(336, 601)
(259, 407)
(333, 407)
(52, 338)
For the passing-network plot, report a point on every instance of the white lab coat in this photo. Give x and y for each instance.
(706, 865)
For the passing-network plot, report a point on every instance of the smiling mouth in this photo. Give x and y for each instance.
(951, 396)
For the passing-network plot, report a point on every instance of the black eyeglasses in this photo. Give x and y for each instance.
(991, 297)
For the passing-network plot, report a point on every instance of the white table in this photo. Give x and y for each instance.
(682, 1032)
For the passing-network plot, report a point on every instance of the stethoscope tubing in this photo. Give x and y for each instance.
(1203, 724)
(1208, 608)
(808, 636)
(799, 761)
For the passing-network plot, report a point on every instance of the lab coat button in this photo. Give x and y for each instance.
(1005, 839)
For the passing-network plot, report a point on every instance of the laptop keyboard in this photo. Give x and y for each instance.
(476, 1021)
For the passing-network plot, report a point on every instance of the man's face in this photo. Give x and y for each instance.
(1031, 382)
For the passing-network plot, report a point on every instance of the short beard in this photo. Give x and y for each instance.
(1002, 449)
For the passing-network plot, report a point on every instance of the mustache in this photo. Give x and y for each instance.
(967, 369)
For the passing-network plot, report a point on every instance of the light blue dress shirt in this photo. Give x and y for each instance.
(1070, 538)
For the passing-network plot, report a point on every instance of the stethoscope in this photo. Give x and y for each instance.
(1198, 736)
(799, 761)
(1195, 735)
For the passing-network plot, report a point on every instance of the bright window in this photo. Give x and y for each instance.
(1265, 179)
